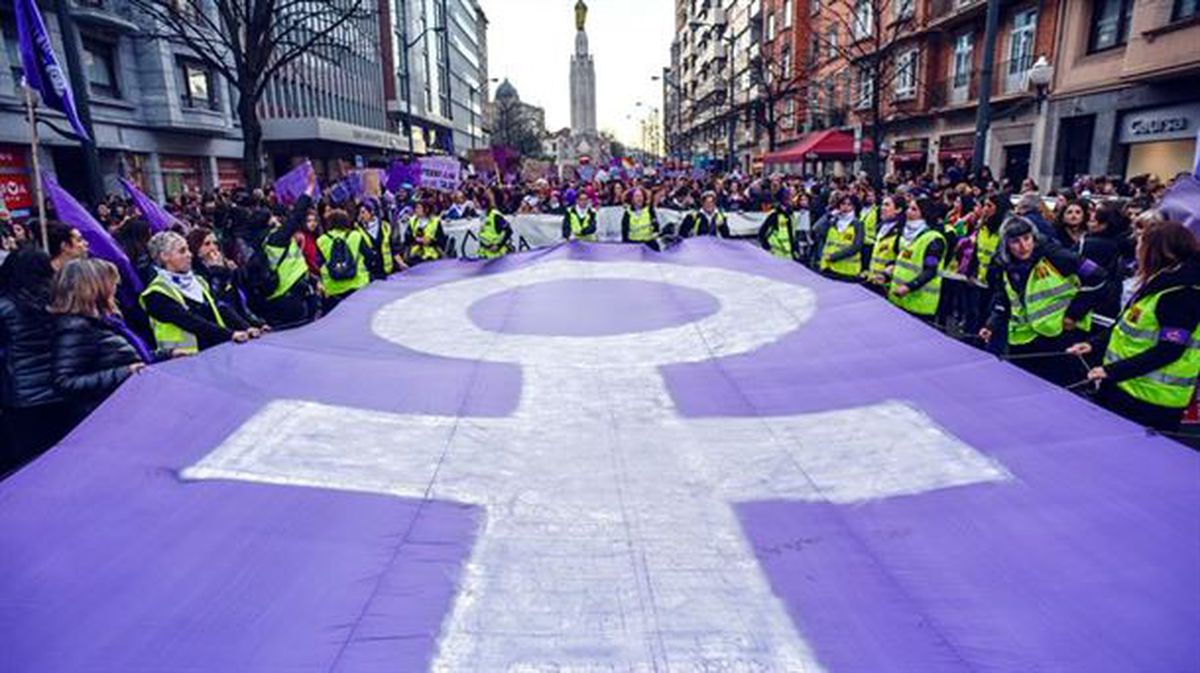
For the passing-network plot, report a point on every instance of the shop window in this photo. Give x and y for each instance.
(1185, 9)
(99, 62)
(1110, 24)
(196, 84)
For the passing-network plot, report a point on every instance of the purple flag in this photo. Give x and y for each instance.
(158, 218)
(100, 243)
(401, 173)
(41, 68)
(292, 184)
(1181, 203)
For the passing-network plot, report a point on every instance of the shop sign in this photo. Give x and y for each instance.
(1172, 122)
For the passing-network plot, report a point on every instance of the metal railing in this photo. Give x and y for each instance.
(1008, 78)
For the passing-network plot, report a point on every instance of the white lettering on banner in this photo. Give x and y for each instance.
(610, 541)
(442, 173)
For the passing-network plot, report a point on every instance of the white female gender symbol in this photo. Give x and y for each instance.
(610, 543)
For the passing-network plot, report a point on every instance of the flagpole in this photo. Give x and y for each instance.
(37, 171)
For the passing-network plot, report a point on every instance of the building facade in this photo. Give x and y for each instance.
(160, 117)
(437, 50)
(1126, 94)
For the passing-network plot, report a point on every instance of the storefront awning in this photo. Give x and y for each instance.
(955, 154)
(819, 146)
(909, 157)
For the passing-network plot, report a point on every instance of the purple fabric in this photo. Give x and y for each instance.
(100, 243)
(134, 340)
(157, 217)
(401, 173)
(1085, 561)
(597, 308)
(40, 66)
(292, 184)
(1181, 202)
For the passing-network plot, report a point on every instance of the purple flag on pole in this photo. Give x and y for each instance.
(292, 184)
(158, 218)
(401, 173)
(100, 243)
(41, 68)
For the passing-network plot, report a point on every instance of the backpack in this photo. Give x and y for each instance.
(341, 263)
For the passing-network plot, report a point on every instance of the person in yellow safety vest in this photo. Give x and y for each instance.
(839, 237)
(1153, 356)
(183, 313)
(579, 222)
(1047, 294)
(869, 214)
(344, 249)
(639, 224)
(495, 233)
(283, 288)
(916, 284)
(708, 221)
(887, 243)
(385, 255)
(425, 239)
(990, 213)
(776, 234)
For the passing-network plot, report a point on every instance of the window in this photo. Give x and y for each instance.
(1110, 24)
(14, 54)
(770, 27)
(962, 60)
(866, 88)
(195, 84)
(904, 8)
(833, 42)
(1020, 48)
(906, 75)
(814, 6)
(1184, 9)
(864, 19)
(99, 62)
(787, 13)
(786, 64)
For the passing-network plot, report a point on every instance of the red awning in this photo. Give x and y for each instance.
(908, 157)
(818, 146)
(954, 155)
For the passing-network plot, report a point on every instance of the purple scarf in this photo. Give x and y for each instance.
(114, 321)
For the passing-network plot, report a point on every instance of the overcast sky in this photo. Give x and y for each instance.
(531, 41)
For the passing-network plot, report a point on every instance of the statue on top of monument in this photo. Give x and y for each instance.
(580, 14)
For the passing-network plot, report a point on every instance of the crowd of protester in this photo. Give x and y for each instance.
(1087, 286)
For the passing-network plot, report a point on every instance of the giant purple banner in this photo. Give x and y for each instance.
(598, 457)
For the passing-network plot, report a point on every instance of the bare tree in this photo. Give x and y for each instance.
(868, 36)
(512, 128)
(250, 41)
(778, 81)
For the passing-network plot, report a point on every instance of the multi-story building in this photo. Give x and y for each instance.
(1125, 99)
(169, 123)
(160, 117)
(437, 50)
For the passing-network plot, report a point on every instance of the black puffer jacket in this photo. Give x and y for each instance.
(91, 358)
(26, 332)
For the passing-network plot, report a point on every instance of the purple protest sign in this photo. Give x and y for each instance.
(444, 173)
(631, 440)
(402, 173)
(295, 182)
(158, 218)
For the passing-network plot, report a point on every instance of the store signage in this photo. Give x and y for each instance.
(1164, 123)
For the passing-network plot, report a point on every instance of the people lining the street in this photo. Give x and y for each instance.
(1035, 286)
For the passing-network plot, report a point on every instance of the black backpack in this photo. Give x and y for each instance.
(341, 263)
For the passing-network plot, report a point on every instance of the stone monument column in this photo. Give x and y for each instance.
(583, 78)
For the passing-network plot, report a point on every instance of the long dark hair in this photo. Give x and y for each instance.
(1163, 245)
(1002, 205)
(26, 276)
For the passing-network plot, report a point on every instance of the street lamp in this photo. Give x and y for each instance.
(409, 44)
(1040, 74)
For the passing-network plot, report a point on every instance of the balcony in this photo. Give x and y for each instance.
(1009, 80)
(947, 12)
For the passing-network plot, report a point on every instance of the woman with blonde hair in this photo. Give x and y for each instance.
(94, 351)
